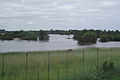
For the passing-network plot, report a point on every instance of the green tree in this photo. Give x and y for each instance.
(104, 38)
(43, 35)
(116, 37)
(88, 38)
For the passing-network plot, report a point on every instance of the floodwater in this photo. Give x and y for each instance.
(56, 42)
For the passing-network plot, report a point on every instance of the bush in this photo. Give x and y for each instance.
(107, 66)
(43, 35)
(116, 38)
(87, 38)
(106, 71)
(104, 38)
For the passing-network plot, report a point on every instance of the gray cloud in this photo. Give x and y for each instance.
(59, 14)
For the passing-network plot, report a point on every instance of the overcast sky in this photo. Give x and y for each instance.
(59, 14)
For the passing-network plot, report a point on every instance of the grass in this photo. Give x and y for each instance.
(55, 65)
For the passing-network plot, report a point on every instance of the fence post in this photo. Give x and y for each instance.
(111, 53)
(97, 58)
(90, 68)
(48, 65)
(111, 60)
(66, 57)
(26, 65)
(38, 73)
(58, 73)
(75, 73)
(15, 76)
(3, 65)
(83, 59)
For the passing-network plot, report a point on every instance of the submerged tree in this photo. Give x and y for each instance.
(104, 38)
(87, 38)
(43, 35)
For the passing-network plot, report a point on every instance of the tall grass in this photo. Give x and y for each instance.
(55, 65)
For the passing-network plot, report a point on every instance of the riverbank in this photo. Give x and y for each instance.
(55, 65)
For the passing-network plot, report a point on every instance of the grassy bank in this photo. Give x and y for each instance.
(55, 65)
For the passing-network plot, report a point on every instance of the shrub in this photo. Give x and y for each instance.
(107, 66)
(104, 38)
(87, 38)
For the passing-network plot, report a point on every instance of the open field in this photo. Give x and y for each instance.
(55, 65)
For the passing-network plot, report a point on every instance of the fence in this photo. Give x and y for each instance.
(55, 65)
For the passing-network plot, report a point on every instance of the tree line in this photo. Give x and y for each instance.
(82, 36)
(91, 36)
(24, 35)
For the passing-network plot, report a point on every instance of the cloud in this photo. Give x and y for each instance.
(109, 3)
(59, 13)
(66, 7)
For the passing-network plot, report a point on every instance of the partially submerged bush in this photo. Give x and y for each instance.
(87, 38)
(104, 38)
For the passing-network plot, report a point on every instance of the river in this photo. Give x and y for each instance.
(56, 42)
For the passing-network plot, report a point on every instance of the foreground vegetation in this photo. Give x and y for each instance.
(82, 64)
